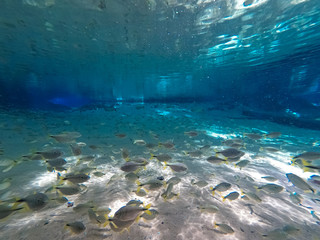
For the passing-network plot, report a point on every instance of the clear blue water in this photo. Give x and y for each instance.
(153, 70)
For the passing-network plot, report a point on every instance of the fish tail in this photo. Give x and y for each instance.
(223, 199)
(261, 149)
(127, 159)
(148, 206)
(165, 165)
(152, 156)
(213, 193)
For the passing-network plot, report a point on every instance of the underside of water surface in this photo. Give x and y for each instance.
(159, 119)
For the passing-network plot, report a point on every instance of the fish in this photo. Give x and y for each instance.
(125, 154)
(140, 192)
(127, 213)
(177, 167)
(119, 226)
(161, 157)
(5, 183)
(167, 191)
(216, 160)
(168, 145)
(270, 178)
(252, 196)
(223, 228)
(231, 153)
(174, 180)
(94, 218)
(200, 183)
(272, 134)
(271, 188)
(134, 203)
(139, 142)
(151, 146)
(308, 156)
(69, 189)
(242, 163)
(75, 177)
(314, 215)
(153, 184)
(208, 208)
(132, 166)
(50, 154)
(66, 137)
(132, 177)
(120, 135)
(269, 149)
(314, 178)
(153, 215)
(83, 207)
(194, 154)
(35, 202)
(204, 148)
(221, 187)
(191, 133)
(253, 136)
(231, 196)
(299, 182)
(296, 198)
(76, 227)
(57, 162)
(7, 210)
(75, 149)
(98, 174)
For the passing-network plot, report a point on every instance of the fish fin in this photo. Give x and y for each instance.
(137, 219)
(138, 183)
(178, 194)
(127, 159)
(138, 189)
(305, 163)
(305, 169)
(152, 156)
(148, 206)
(113, 224)
(148, 212)
(211, 188)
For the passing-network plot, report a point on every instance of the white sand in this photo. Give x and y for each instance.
(24, 132)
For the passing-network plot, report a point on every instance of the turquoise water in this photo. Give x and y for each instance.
(226, 91)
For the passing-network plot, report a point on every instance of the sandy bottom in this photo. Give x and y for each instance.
(26, 132)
